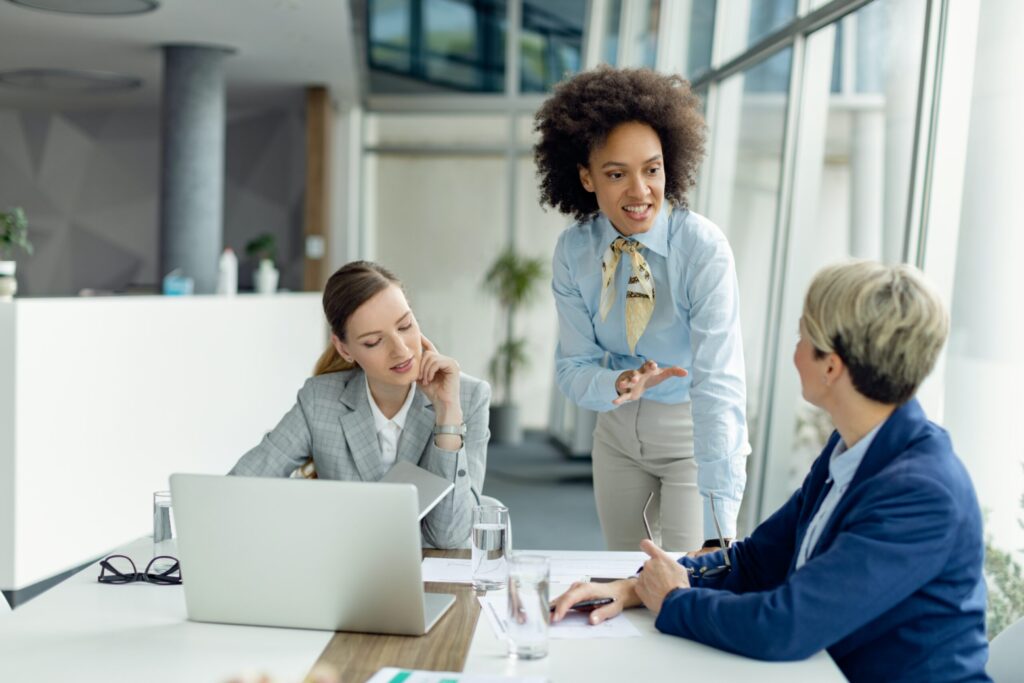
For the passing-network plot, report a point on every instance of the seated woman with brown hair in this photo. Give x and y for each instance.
(383, 393)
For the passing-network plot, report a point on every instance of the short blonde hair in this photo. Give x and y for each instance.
(887, 323)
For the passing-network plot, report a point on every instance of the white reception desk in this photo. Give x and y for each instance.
(101, 399)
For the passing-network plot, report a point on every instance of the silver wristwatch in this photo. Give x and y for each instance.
(454, 430)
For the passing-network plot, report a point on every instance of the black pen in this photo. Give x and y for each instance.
(589, 605)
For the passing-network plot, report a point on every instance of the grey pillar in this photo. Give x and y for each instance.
(192, 163)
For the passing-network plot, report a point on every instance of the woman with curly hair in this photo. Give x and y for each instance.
(648, 306)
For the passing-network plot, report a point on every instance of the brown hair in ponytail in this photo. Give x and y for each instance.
(349, 288)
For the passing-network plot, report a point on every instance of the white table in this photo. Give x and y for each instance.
(86, 631)
(653, 657)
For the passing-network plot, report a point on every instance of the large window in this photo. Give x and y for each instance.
(744, 194)
(551, 42)
(447, 44)
(851, 179)
(984, 369)
(459, 45)
(697, 48)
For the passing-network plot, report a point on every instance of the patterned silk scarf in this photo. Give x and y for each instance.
(639, 292)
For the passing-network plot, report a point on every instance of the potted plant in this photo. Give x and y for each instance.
(513, 279)
(263, 248)
(13, 233)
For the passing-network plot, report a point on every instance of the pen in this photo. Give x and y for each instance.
(589, 605)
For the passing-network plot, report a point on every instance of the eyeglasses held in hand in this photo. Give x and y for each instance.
(121, 569)
(703, 572)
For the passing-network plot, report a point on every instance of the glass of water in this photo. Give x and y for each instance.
(490, 543)
(163, 528)
(528, 607)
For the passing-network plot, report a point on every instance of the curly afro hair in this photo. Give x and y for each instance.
(583, 110)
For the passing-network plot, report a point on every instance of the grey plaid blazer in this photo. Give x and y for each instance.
(331, 420)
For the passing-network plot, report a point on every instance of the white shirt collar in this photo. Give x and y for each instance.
(379, 421)
(842, 469)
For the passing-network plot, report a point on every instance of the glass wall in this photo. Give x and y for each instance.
(851, 184)
(459, 45)
(450, 44)
(984, 368)
(744, 22)
(644, 40)
(613, 18)
(551, 42)
(697, 47)
(390, 33)
(744, 195)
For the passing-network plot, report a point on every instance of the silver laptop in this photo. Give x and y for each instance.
(317, 554)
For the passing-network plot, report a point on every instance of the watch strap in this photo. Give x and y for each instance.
(454, 430)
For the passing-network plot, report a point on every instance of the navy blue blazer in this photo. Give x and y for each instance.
(894, 588)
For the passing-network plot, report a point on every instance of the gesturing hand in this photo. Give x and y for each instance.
(661, 575)
(631, 384)
(439, 380)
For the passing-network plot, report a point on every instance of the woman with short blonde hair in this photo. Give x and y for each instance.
(878, 557)
(886, 322)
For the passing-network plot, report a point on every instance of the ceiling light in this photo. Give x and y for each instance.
(68, 80)
(95, 7)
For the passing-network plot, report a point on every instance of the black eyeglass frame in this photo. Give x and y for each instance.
(703, 572)
(162, 578)
(726, 566)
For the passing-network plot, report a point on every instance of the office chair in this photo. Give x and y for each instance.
(1006, 654)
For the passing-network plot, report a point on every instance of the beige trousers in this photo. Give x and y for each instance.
(640, 447)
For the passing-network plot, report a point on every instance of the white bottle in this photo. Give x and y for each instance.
(265, 277)
(227, 273)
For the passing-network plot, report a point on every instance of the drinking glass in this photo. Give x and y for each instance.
(528, 607)
(489, 544)
(163, 528)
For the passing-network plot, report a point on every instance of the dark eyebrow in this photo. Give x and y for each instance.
(397, 322)
(656, 157)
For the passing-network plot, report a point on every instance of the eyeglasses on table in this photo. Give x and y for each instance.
(121, 569)
(703, 572)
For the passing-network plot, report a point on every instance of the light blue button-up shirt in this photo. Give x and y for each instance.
(695, 325)
(840, 471)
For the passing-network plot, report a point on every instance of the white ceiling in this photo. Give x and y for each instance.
(282, 46)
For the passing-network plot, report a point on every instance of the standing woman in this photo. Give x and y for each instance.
(382, 393)
(648, 306)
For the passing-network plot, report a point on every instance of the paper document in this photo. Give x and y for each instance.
(392, 675)
(563, 570)
(575, 626)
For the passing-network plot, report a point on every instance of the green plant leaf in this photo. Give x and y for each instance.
(1005, 580)
(263, 246)
(14, 232)
(513, 279)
